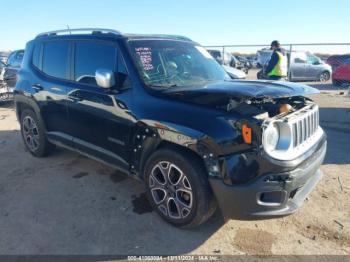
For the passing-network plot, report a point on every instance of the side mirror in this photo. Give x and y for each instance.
(105, 78)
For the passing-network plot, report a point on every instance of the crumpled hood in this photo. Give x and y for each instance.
(244, 89)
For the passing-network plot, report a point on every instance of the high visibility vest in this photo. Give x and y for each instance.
(281, 67)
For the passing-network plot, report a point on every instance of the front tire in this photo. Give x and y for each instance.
(324, 76)
(33, 134)
(178, 188)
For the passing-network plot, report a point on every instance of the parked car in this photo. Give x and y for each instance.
(335, 60)
(3, 57)
(341, 73)
(228, 59)
(253, 60)
(304, 66)
(162, 110)
(223, 58)
(2, 68)
(244, 61)
(5, 91)
(13, 65)
(234, 73)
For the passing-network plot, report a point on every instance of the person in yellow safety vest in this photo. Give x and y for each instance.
(278, 66)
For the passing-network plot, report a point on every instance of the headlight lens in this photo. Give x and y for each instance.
(271, 137)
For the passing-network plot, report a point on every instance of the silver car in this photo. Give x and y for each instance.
(304, 66)
(234, 73)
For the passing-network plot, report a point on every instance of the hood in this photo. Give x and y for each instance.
(243, 90)
(234, 72)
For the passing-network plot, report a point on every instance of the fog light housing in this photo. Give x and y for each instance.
(272, 198)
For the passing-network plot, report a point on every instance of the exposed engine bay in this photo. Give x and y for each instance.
(263, 108)
(258, 99)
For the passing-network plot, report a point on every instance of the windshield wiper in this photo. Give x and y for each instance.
(163, 86)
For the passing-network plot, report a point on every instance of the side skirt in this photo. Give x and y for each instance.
(91, 151)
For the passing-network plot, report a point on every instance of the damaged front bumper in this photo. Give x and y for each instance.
(6, 93)
(272, 194)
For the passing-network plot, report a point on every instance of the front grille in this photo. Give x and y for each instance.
(305, 126)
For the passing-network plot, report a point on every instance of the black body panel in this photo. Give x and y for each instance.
(124, 126)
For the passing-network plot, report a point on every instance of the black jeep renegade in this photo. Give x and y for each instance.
(161, 109)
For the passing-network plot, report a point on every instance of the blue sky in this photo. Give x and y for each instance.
(208, 22)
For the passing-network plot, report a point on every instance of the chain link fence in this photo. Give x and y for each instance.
(312, 63)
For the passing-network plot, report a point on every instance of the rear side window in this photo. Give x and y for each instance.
(55, 59)
(90, 56)
(36, 56)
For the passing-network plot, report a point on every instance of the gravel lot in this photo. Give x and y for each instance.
(69, 204)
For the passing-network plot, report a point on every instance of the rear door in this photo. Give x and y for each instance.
(49, 82)
(99, 121)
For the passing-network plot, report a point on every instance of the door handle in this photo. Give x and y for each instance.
(75, 97)
(37, 87)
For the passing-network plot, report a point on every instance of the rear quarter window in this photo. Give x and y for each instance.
(55, 59)
(36, 55)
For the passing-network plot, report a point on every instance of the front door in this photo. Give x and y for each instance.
(100, 126)
(313, 67)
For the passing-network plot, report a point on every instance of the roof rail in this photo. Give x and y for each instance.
(181, 37)
(79, 30)
(178, 37)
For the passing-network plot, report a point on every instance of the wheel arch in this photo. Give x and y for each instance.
(22, 103)
(325, 71)
(148, 139)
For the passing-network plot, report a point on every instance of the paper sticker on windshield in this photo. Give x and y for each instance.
(204, 52)
(145, 55)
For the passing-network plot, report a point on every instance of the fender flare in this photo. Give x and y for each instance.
(149, 135)
(28, 102)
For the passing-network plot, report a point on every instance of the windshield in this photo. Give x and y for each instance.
(170, 63)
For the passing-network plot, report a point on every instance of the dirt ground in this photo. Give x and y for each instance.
(69, 204)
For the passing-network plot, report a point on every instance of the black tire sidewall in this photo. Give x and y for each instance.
(328, 76)
(42, 149)
(196, 177)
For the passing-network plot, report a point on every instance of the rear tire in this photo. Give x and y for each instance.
(178, 188)
(33, 134)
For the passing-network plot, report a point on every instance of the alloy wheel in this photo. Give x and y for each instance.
(171, 190)
(30, 133)
(324, 77)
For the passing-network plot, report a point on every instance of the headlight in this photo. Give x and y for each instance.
(271, 137)
(277, 137)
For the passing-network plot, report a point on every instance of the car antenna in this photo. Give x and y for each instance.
(70, 32)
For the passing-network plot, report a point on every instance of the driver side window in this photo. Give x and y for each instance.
(123, 79)
(90, 56)
(311, 59)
